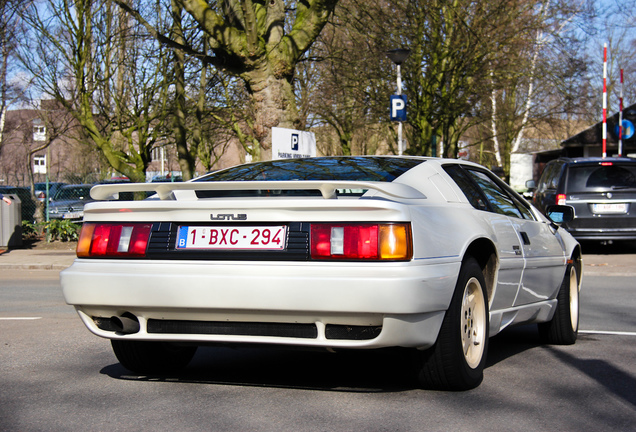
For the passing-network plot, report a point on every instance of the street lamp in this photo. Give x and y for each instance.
(398, 56)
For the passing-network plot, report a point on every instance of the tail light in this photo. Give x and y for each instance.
(116, 240)
(560, 199)
(385, 242)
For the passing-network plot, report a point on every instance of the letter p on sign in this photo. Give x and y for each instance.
(398, 108)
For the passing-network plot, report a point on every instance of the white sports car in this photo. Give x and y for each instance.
(333, 252)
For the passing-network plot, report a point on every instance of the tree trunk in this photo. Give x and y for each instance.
(274, 105)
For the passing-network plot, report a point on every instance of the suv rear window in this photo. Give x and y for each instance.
(595, 177)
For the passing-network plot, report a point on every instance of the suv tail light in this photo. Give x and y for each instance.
(560, 199)
(362, 241)
(106, 240)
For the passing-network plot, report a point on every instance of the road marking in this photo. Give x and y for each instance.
(19, 318)
(603, 332)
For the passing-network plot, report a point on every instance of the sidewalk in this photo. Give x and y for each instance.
(42, 256)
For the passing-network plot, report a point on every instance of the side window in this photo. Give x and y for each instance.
(547, 177)
(468, 186)
(555, 175)
(523, 208)
(499, 199)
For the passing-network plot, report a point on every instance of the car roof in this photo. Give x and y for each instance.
(77, 186)
(596, 160)
(50, 183)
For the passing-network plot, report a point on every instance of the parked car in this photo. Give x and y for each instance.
(435, 255)
(601, 190)
(68, 202)
(167, 178)
(40, 189)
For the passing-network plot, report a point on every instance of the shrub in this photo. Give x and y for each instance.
(29, 231)
(61, 229)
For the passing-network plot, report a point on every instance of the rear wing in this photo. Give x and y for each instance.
(328, 189)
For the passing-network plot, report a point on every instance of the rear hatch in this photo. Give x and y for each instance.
(603, 195)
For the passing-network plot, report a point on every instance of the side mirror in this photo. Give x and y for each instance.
(531, 185)
(559, 214)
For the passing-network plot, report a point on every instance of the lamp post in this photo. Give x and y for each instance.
(398, 56)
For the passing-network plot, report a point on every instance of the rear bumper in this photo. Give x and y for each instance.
(602, 234)
(404, 302)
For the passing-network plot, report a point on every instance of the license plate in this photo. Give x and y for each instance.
(619, 208)
(75, 215)
(232, 237)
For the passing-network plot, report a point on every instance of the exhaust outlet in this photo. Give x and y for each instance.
(126, 324)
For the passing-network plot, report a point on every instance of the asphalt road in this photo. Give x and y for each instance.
(56, 376)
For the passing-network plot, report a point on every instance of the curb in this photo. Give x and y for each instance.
(33, 267)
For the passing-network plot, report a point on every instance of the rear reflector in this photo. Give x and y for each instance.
(355, 241)
(104, 240)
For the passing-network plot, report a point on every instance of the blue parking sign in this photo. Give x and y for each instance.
(398, 107)
(628, 129)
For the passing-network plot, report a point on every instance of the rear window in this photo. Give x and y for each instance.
(333, 168)
(601, 177)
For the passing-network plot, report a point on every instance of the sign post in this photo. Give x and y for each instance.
(398, 102)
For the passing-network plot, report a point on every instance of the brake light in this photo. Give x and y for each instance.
(607, 163)
(560, 199)
(355, 241)
(105, 240)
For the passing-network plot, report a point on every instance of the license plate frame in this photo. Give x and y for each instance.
(232, 237)
(610, 208)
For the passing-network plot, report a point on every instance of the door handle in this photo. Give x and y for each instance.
(524, 237)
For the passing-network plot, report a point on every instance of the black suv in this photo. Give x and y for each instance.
(601, 190)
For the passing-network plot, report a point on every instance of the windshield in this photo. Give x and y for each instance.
(605, 177)
(73, 193)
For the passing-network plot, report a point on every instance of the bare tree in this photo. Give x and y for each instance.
(259, 43)
(104, 70)
(10, 30)
(536, 88)
(341, 77)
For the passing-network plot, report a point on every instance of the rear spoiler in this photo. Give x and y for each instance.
(327, 188)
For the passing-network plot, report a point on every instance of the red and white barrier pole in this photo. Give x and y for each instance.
(620, 119)
(605, 101)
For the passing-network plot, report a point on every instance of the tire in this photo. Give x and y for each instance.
(563, 328)
(458, 358)
(152, 358)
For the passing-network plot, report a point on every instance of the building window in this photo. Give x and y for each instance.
(39, 133)
(39, 164)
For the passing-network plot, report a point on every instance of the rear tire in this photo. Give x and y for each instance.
(563, 328)
(152, 358)
(458, 358)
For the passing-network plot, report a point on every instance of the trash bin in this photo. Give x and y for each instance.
(11, 222)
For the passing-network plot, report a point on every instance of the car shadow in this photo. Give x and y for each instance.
(366, 371)
(511, 342)
(349, 371)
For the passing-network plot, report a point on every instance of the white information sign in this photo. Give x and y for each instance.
(292, 144)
